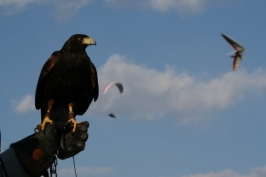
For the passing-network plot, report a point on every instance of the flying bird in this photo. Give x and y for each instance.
(67, 83)
(238, 53)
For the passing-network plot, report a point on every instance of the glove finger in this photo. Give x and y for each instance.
(83, 137)
(81, 127)
(74, 137)
(79, 146)
(50, 130)
(71, 149)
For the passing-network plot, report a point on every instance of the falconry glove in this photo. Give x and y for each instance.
(36, 153)
(73, 142)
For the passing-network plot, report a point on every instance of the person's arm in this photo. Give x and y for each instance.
(33, 155)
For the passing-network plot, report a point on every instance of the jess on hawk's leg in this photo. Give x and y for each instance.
(71, 117)
(46, 118)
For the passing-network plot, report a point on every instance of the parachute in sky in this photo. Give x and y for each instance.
(118, 85)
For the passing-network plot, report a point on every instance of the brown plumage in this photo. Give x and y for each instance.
(67, 83)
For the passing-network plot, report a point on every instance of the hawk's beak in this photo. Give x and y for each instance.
(88, 41)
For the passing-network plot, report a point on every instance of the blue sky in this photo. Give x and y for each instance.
(183, 113)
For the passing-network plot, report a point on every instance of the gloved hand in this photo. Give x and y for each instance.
(37, 151)
(73, 142)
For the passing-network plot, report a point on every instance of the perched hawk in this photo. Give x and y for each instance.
(67, 83)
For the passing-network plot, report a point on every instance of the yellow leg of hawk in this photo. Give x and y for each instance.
(46, 119)
(71, 118)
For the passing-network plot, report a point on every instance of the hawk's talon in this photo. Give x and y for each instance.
(44, 122)
(72, 120)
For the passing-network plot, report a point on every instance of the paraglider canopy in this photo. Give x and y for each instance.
(118, 85)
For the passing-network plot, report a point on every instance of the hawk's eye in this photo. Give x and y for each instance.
(79, 38)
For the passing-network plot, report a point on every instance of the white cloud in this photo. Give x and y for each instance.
(65, 9)
(256, 172)
(25, 105)
(18, 3)
(152, 94)
(86, 171)
(182, 6)
(8, 7)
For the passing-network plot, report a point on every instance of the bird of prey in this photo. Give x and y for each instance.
(238, 53)
(67, 83)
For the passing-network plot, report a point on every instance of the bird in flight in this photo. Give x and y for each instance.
(67, 83)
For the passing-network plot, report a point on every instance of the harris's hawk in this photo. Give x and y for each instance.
(67, 83)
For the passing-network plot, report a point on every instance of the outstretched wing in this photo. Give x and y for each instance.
(234, 44)
(45, 72)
